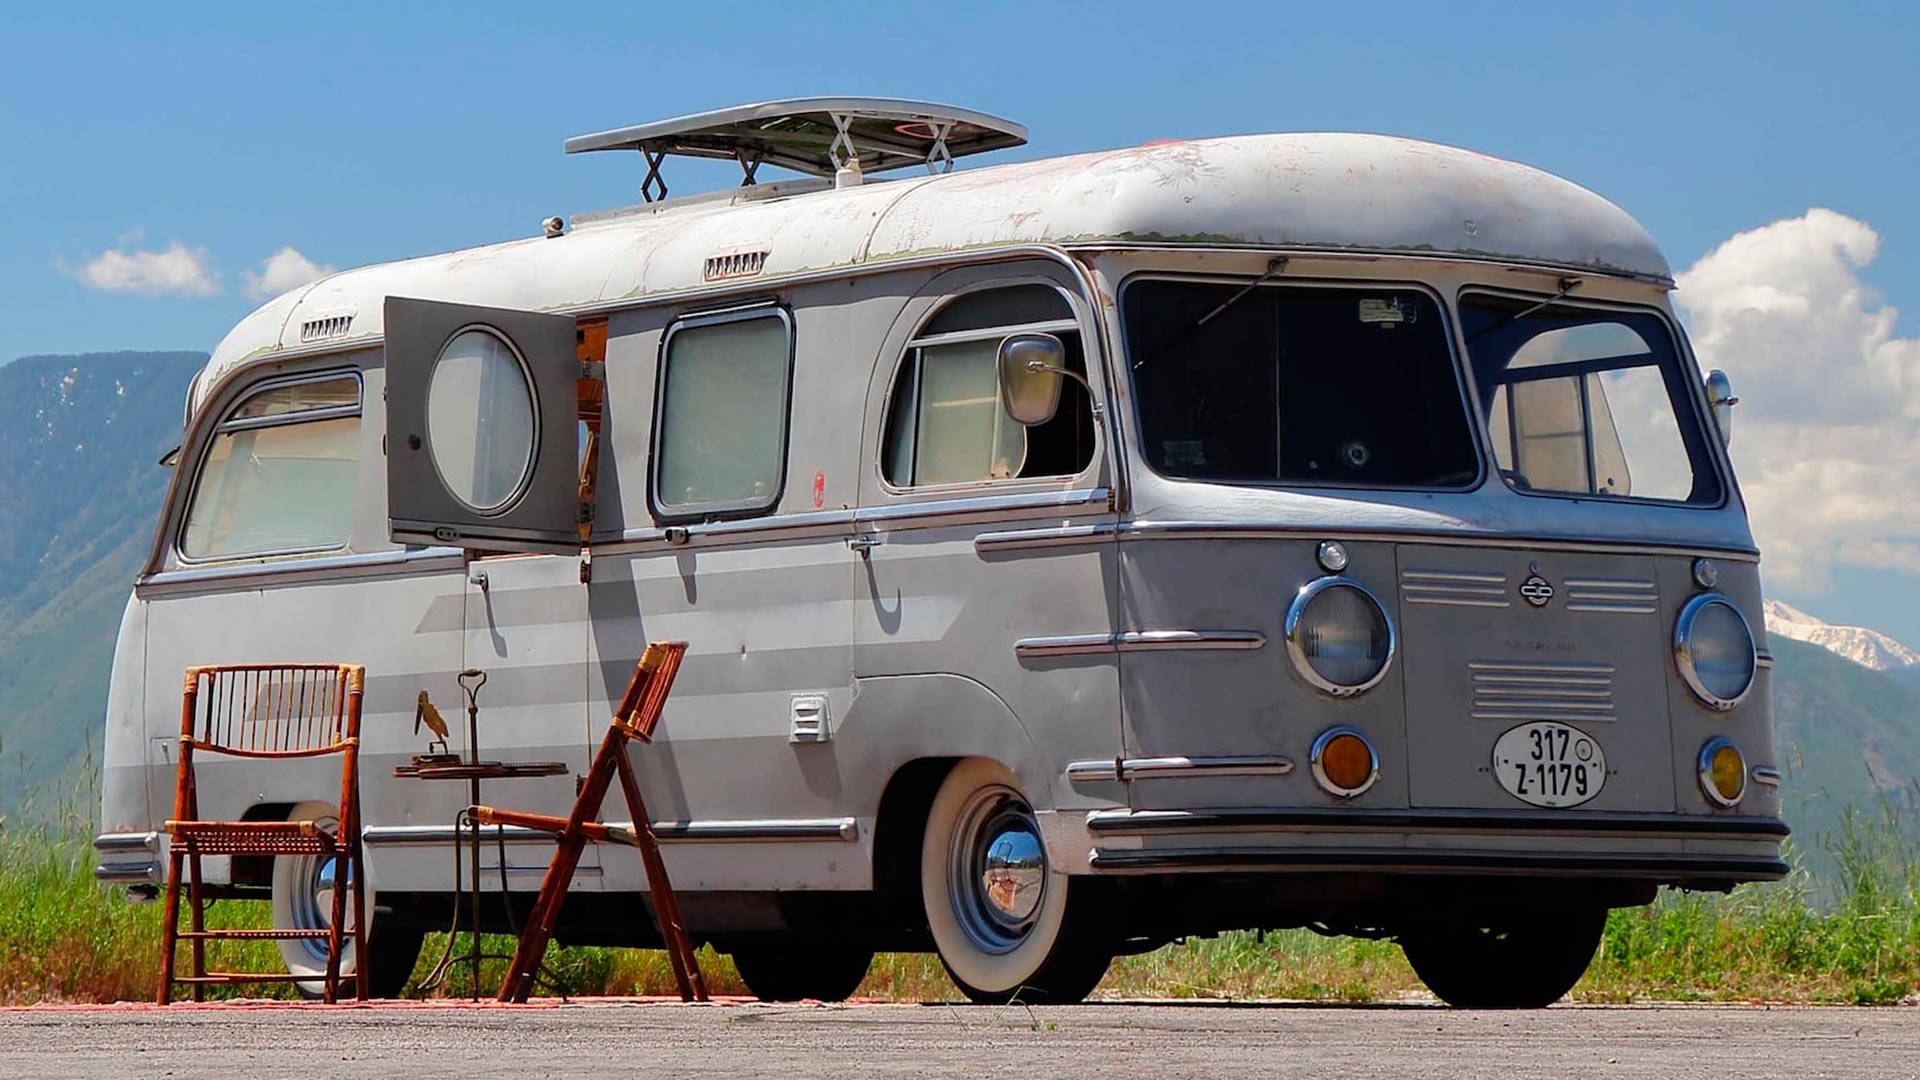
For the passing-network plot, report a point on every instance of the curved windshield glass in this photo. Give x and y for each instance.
(1584, 401)
(1348, 386)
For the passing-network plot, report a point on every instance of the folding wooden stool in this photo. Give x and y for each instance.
(635, 718)
(277, 712)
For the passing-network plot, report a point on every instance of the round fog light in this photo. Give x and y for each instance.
(1344, 762)
(1723, 772)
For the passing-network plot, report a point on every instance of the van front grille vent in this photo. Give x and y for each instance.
(1460, 588)
(1625, 596)
(1520, 690)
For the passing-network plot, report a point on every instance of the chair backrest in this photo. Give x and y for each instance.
(639, 709)
(273, 710)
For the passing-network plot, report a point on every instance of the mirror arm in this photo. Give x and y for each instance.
(1093, 400)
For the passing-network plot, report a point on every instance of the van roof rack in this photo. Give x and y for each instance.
(819, 136)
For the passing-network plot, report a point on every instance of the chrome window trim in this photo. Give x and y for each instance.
(1712, 747)
(1140, 641)
(1462, 374)
(1086, 325)
(321, 568)
(1210, 530)
(177, 544)
(1176, 767)
(1683, 355)
(1319, 772)
(1683, 651)
(1296, 650)
(736, 508)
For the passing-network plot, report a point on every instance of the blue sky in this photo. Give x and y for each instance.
(357, 134)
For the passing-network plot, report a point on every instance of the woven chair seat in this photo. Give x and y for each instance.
(254, 837)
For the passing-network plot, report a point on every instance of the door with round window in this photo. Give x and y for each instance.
(482, 444)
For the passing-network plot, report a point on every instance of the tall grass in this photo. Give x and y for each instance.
(1855, 938)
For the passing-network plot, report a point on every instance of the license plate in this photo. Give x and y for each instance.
(1549, 764)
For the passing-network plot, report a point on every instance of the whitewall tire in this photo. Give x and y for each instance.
(302, 900)
(1007, 925)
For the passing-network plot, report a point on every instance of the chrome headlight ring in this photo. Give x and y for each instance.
(1683, 651)
(1295, 632)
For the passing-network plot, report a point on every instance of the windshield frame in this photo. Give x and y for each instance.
(1694, 423)
(1455, 354)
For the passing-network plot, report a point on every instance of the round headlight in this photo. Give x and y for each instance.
(1723, 772)
(1339, 636)
(1714, 649)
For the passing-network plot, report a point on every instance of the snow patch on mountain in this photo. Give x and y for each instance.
(1868, 648)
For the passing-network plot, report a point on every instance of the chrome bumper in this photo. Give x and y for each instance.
(1667, 847)
(130, 858)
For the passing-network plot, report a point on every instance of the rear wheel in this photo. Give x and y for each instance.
(1007, 926)
(1518, 964)
(784, 972)
(303, 900)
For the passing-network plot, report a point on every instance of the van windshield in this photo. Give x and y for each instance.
(1586, 401)
(1297, 384)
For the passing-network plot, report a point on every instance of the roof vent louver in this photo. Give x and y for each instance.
(739, 264)
(326, 327)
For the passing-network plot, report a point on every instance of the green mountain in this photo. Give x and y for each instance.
(1846, 734)
(79, 438)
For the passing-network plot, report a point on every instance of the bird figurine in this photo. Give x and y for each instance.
(424, 712)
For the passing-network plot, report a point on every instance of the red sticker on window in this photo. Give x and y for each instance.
(819, 490)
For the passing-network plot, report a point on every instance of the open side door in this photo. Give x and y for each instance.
(482, 429)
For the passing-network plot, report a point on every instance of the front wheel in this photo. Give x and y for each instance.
(802, 972)
(1007, 926)
(303, 900)
(1519, 964)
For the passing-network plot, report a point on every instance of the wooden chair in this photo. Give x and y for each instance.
(634, 718)
(277, 712)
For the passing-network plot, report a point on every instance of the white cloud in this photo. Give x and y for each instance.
(1827, 435)
(177, 270)
(284, 269)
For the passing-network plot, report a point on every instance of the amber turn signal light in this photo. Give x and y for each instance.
(1344, 762)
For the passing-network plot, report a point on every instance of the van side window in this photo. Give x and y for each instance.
(721, 435)
(282, 474)
(945, 422)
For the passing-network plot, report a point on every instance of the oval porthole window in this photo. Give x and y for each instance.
(480, 419)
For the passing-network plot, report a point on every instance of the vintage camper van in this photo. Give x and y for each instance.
(1077, 554)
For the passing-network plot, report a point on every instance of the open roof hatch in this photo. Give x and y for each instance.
(840, 137)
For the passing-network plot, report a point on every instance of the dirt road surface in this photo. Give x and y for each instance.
(867, 1042)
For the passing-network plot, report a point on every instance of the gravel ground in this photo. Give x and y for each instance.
(420, 1041)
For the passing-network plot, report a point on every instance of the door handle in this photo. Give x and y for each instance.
(863, 544)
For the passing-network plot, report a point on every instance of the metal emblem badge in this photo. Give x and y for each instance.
(1537, 590)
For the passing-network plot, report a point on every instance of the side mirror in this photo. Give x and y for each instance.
(1720, 397)
(1031, 371)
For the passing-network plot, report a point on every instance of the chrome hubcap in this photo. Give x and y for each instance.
(998, 874)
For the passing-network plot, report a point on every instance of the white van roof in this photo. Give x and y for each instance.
(1299, 192)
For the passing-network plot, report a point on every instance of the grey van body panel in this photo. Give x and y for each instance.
(940, 634)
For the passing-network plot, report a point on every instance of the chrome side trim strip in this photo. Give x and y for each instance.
(1765, 774)
(1254, 530)
(906, 515)
(1140, 641)
(107, 843)
(408, 835)
(667, 831)
(1309, 819)
(746, 831)
(1027, 539)
(1762, 658)
(1178, 768)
